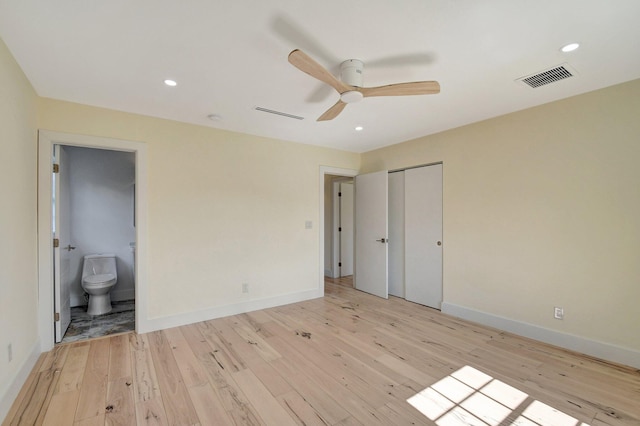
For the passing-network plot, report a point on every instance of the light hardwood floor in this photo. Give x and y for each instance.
(346, 359)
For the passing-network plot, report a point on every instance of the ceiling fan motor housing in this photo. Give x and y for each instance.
(351, 72)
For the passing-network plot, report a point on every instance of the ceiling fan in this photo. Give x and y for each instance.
(349, 86)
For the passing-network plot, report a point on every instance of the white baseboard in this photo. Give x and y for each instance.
(155, 324)
(605, 351)
(11, 390)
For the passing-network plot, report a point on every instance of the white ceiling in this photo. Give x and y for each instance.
(230, 56)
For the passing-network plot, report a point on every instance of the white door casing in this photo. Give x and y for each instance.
(61, 254)
(371, 218)
(423, 235)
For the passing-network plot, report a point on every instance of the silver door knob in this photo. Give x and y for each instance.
(383, 240)
(69, 247)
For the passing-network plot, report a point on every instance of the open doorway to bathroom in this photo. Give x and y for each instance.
(338, 228)
(93, 212)
(47, 312)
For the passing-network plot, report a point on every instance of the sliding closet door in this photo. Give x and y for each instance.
(423, 235)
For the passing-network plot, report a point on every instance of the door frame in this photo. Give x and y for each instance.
(334, 171)
(46, 140)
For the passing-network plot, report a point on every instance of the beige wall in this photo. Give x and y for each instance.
(224, 208)
(542, 209)
(18, 250)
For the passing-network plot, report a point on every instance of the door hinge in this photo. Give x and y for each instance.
(340, 264)
(56, 243)
(56, 316)
(56, 168)
(340, 229)
(339, 194)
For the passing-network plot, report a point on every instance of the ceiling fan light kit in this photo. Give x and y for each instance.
(349, 86)
(351, 96)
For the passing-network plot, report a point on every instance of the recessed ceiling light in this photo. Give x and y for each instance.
(359, 128)
(170, 83)
(570, 47)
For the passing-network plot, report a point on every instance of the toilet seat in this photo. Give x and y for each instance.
(99, 279)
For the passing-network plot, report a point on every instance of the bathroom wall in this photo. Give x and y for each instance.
(102, 198)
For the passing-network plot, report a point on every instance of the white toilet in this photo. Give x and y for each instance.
(99, 275)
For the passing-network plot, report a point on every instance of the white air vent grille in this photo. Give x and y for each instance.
(284, 114)
(548, 76)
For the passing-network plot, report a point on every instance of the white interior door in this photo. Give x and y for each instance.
(423, 235)
(61, 254)
(396, 234)
(346, 229)
(371, 216)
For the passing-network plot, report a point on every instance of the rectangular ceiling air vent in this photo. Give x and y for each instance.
(548, 76)
(284, 114)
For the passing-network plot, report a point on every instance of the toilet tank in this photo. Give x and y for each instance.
(96, 264)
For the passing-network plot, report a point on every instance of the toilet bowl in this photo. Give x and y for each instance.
(99, 275)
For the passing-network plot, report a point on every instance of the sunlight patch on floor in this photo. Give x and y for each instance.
(471, 397)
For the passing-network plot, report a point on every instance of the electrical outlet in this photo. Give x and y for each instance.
(245, 287)
(558, 313)
(10, 352)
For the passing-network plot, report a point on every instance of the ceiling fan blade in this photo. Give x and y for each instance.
(304, 63)
(402, 89)
(332, 112)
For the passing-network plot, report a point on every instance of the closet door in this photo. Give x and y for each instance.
(371, 194)
(423, 235)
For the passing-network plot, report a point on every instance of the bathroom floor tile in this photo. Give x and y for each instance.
(84, 326)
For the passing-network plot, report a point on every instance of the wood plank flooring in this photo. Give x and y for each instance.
(346, 359)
